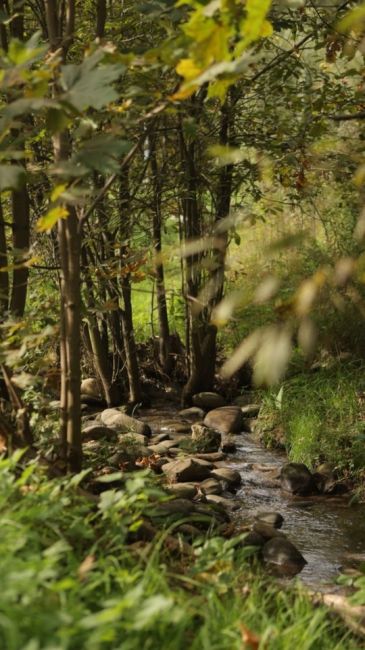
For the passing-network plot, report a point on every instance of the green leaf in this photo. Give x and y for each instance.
(88, 85)
(11, 177)
(101, 153)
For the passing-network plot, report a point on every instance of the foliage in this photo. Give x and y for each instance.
(69, 580)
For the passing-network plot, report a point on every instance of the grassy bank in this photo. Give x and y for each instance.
(319, 416)
(73, 579)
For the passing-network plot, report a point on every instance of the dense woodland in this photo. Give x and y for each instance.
(181, 232)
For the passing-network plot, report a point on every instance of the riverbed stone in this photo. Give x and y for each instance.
(274, 519)
(123, 423)
(228, 504)
(192, 414)
(266, 530)
(205, 438)
(187, 470)
(282, 557)
(213, 457)
(297, 479)
(251, 410)
(208, 400)
(90, 388)
(162, 447)
(211, 486)
(230, 476)
(177, 506)
(95, 431)
(227, 419)
(228, 444)
(132, 439)
(183, 490)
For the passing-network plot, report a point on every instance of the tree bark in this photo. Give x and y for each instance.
(163, 319)
(4, 276)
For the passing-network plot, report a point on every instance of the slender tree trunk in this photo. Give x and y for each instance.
(21, 240)
(130, 349)
(4, 276)
(163, 320)
(69, 242)
(101, 15)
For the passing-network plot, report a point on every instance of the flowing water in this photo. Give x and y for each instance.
(325, 529)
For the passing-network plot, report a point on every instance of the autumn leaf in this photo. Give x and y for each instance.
(250, 640)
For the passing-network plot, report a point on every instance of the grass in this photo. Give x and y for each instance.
(322, 416)
(71, 579)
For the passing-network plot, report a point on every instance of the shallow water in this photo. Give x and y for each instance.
(324, 529)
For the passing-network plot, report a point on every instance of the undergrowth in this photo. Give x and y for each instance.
(71, 579)
(320, 416)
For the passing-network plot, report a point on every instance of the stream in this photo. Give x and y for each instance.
(325, 529)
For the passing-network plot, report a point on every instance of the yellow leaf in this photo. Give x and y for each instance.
(57, 191)
(188, 69)
(185, 91)
(50, 219)
(266, 29)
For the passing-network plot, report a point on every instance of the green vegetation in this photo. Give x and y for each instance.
(319, 416)
(71, 577)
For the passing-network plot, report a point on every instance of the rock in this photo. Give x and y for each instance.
(183, 490)
(213, 511)
(266, 530)
(207, 439)
(192, 414)
(230, 476)
(274, 519)
(227, 419)
(244, 400)
(162, 447)
(228, 444)
(253, 539)
(90, 388)
(132, 439)
(229, 504)
(124, 423)
(176, 507)
(211, 486)
(191, 469)
(161, 437)
(251, 410)
(282, 557)
(189, 531)
(249, 425)
(297, 479)
(208, 400)
(95, 431)
(214, 457)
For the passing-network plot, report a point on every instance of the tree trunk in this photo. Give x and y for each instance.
(21, 239)
(4, 276)
(163, 319)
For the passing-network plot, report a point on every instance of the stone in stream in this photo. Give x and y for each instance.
(211, 486)
(161, 437)
(229, 504)
(95, 431)
(162, 447)
(282, 557)
(177, 506)
(214, 457)
(227, 419)
(297, 479)
(208, 400)
(207, 439)
(244, 400)
(266, 530)
(193, 414)
(132, 439)
(228, 444)
(183, 490)
(187, 470)
(253, 539)
(230, 476)
(90, 388)
(250, 410)
(274, 519)
(123, 423)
